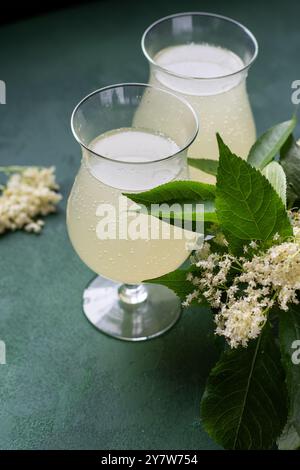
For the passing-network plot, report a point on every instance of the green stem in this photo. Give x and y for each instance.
(240, 264)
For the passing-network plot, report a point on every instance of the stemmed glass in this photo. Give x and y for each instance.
(133, 137)
(205, 58)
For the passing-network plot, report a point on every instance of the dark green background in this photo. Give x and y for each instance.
(66, 385)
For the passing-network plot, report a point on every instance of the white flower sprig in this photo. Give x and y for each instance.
(30, 192)
(244, 289)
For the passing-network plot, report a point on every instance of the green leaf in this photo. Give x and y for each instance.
(187, 215)
(244, 403)
(248, 208)
(289, 439)
(276, 175)
(290, 161)
(204, 164)
(289, 332)
(269, 143)
(176, 281)
(176, 191)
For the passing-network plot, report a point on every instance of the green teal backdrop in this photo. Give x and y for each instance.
(65, 385)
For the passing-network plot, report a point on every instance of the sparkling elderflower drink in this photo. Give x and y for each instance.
(123, 154)
(205, 58)
(129, 259)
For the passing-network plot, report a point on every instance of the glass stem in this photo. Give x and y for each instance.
(132, 293)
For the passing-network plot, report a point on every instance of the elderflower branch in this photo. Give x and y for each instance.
(30, 192)
(243, 290)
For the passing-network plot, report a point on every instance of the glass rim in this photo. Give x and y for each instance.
(143, 85)
(199, 13)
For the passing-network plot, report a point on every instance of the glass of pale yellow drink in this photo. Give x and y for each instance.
(205, 58)
(124, 151)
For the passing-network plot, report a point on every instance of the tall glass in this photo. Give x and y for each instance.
(205, 58)
(123, 151)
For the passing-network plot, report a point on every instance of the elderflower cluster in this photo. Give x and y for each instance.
(27, 195)
(278, 270)
(244, 289)
(241, 319)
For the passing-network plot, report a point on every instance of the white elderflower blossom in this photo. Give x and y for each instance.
(244, 290)
(295, 219)
(190, 297)
(27, 195)
(278, 268)
(296, 231)
(242, 320)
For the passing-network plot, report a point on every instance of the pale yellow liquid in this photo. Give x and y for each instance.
(100, 182)
(221, 104)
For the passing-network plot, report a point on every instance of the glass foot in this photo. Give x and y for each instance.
(131, 313)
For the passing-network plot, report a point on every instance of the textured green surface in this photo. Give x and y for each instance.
(65, 385)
